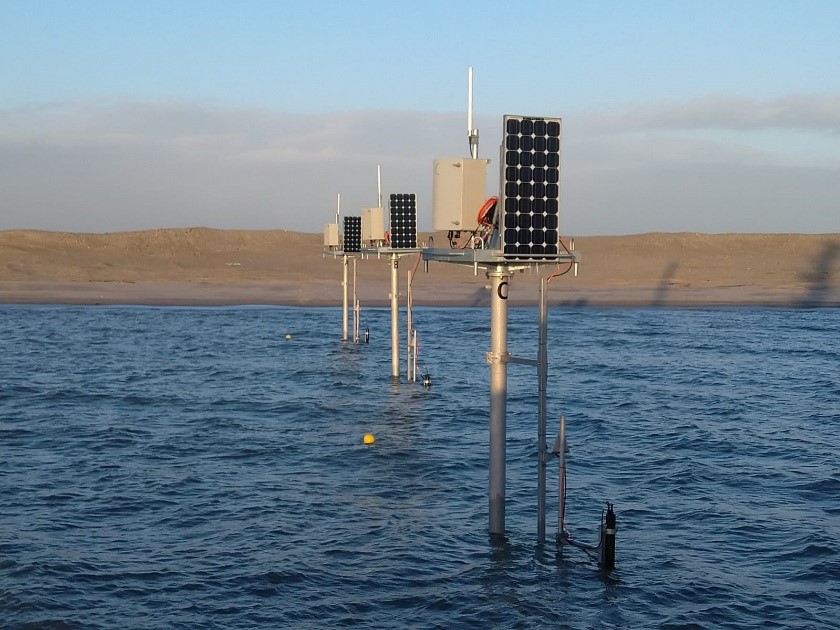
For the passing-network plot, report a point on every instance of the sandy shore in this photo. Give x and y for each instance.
(200, 266)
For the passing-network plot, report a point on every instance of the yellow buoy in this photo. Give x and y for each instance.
(368, 438)
(288, 335)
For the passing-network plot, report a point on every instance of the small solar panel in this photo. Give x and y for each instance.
(403, 218)
(531, 187)
(352, 234)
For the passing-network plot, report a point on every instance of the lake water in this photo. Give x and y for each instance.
(193, 468)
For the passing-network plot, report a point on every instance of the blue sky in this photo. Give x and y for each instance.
(678, 116)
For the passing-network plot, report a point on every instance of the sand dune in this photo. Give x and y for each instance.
(207, 266)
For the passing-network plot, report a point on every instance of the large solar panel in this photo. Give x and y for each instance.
(352, 234)
(531, 187)
(403, 219)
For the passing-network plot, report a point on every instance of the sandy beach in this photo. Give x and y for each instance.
(202, 266)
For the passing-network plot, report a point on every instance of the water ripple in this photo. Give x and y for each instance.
(194, 468)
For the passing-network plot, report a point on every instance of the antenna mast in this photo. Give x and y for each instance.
(379, 185)
(472, 133)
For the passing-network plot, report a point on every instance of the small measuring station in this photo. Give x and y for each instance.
(513, 232)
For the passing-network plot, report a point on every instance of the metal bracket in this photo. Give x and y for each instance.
(545, 456)
(522, 360)
(494, 358)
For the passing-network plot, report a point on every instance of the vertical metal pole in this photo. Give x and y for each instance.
(355, 307)
(395, 318)
(561, 506)
(408, 326)
(497, 358)
(344, 310)
(414, 357)
(542, 376)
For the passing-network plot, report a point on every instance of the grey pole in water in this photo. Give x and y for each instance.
(497, 358)
(395, 318)
(561, 505)
(355, 307)
(409, 324)
(344, 311)
(542, 376)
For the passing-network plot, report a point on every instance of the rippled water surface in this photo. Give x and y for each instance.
(194, 468)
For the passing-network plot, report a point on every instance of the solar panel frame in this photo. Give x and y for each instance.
(352, 234)
(403, 220)
(530, 190)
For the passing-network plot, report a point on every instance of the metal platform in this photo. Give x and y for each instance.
(371, 252)
(493, 257)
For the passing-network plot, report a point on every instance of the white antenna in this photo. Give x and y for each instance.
(469, 100)
(337, 207)
(379, 185)
(472, 133)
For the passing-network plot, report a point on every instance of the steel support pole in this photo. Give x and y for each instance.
(542, 377)
(355, 307)
(561, 505)
(413, 366)
(344, 311)
(408, 326)
(395, 318)
(497, 358)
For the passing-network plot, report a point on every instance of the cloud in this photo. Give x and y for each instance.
(817, 113)
(713, 165)
(136, 166)
(705, 198)
(709, 165)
